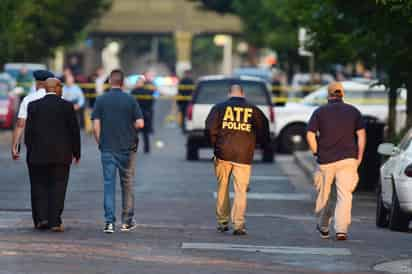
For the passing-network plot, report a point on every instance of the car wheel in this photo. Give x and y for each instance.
(192, 151)
(293, 138)
(268, 155)
(398, 220)
(381, 212)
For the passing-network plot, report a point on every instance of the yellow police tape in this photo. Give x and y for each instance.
(191, 87)
(280, 99)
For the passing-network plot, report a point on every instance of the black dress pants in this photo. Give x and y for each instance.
(48, 192)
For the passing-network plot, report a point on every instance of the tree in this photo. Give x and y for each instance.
(376, 31)
(31, 30)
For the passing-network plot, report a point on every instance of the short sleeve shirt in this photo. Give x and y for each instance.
(27, 100)
(336, 124)
(117, 112)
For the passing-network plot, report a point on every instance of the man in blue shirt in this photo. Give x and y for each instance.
(337, 137)
(74, 94)
(116, 118)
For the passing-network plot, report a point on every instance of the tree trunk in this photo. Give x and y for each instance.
(393, 96)
(409, 104)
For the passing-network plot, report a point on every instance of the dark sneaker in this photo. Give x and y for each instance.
(323, 234)
(223, 227)
(240, 232)
(108, 228)
(341, 236)
(128, 226)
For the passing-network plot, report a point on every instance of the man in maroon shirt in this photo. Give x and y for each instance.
(336, 136)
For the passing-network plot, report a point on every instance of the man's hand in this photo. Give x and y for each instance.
(96, 130)
(15, 154)
(17, 135)
(139, 124)
(361, 134)
(76, 161)
(76, 107)
(311, 139)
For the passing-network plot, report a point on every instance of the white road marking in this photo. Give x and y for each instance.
(283, 216)
(270, 249)
(274, 196)
(300, 217)
(398, 267)
(269, 178)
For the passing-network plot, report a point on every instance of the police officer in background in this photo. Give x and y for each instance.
(143, 93)
(185, 89)
(234, 127)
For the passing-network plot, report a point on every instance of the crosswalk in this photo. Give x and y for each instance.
(269, 249)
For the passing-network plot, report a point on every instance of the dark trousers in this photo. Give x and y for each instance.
(146, 141)
(48, 192)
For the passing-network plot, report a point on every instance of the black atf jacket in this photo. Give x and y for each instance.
(234, 127)
(52, 134)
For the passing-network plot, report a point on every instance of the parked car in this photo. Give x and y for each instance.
(14, 68)
(262, 73)
(394, 195)
(292, 119)
(8, 102)
(211, 90)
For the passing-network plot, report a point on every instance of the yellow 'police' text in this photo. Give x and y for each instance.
(237, 118)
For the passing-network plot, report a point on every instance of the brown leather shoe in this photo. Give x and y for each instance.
(42, 225)
(59, 228)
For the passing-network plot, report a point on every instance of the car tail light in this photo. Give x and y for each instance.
(408, 171)
(271, 114)
(189, 112)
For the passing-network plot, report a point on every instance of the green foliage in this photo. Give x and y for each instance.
(220, 6)
(31, 30)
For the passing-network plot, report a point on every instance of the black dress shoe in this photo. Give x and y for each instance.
(42, 225)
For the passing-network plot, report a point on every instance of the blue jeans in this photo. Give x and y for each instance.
(125, 163)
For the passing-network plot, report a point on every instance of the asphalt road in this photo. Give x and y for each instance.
(176, 231)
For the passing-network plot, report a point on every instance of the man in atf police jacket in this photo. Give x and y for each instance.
(52, 137)
(234, 127)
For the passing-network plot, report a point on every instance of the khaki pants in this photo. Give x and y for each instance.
(241, 175)
(345, 175)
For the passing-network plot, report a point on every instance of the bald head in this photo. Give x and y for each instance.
(53, 85)
(236, 91)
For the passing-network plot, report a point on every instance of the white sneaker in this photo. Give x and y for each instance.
(108, 228)
(128, 227)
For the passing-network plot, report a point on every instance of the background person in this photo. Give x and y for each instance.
(74, 94)
(52, 138)
(24, 80)
(337, 137)
(234, 127)
(145, 102)
(116, 118)
(185, 89)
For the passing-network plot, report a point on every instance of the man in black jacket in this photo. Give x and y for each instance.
(52, 138)
(144, 94)
(185, 90)
(234, 127)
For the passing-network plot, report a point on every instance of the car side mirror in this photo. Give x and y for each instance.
(387, 149)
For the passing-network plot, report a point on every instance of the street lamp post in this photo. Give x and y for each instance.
(226, 42)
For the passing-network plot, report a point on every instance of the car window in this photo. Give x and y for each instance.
(316, 98)
(213, 92)
(351, 96)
